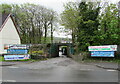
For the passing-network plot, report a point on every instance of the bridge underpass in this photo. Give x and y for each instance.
(56, 49)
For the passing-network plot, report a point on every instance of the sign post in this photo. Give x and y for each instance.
(103, 51)
(16, 52)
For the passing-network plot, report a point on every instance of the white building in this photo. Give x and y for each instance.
(8, 32)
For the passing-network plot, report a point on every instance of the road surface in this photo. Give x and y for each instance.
(61, 69)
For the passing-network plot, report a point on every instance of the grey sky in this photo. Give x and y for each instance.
(56, 5)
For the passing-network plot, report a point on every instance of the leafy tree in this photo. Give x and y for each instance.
(69, 18)
(109, 25)
(88, 25)
(33, 21)
(5, 8)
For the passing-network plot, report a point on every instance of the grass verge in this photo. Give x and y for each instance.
(1, 58)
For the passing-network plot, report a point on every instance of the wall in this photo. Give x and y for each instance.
(8, 35)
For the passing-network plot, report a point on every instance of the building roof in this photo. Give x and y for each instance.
(4, 18)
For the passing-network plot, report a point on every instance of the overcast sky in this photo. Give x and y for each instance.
(56, 5)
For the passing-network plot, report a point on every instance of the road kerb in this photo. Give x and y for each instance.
(100, 66)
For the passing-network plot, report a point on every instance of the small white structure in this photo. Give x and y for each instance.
(8, 32)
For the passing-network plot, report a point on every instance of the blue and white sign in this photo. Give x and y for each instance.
(102, 53)
(17, 51)
(16, 46)
(16, 57)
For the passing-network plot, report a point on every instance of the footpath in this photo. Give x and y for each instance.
(106, 65)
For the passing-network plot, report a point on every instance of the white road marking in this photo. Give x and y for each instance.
(12, 67)
(7, 80)
(111, 70)
(87, 69)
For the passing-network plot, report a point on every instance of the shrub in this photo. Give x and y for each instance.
(40, 52)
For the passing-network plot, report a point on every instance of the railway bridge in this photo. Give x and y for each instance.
(55, 48)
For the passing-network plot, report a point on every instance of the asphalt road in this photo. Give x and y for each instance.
(57, 70)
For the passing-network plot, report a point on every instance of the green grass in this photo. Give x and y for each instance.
(1, 58)
(18, 60)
